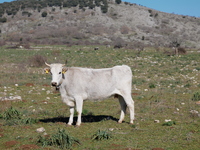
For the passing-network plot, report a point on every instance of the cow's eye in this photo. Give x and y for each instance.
(59, 72)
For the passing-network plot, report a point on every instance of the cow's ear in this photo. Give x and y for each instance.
(64, 69)
(46, 70)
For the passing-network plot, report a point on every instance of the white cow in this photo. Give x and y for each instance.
(79, 84)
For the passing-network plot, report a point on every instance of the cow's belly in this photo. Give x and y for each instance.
(100, 94)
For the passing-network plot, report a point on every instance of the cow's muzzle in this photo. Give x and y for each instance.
(54, 84)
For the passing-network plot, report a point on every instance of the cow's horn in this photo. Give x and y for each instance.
(47, 64)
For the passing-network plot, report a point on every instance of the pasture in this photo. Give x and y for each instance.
(164, 87)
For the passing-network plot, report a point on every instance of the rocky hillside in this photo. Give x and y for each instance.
(109, 22)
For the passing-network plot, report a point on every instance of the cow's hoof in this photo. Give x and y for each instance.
(68, 125)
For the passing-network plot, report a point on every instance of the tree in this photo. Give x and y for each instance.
(44, 14)
(104, 7)
(118, 1)
(3, 19)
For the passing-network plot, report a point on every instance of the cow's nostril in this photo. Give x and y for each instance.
(54, 84)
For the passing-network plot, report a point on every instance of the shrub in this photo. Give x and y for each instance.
(12, 113)
(151, 86)
(29, 121)
(181, 50)
(124, 29)
(3, 20)
(27, 46)
(104, 7)
(44, 14)
(119, 43)
(26, 13)
(15, 117)
(169, 123)
(37, 61)
(196, 96)
(118, 1)
(86, 112)
(60, 139)
(2, 42)
(101, 135)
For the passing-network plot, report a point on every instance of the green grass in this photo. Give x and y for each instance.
(163, 88)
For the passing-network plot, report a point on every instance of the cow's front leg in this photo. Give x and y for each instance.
(79, 107)
(71, 109)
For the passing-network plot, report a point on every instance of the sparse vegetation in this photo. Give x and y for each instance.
(12, 113)
(169, 123)
(44, 14)
(37, 61)
(196, 96)
(74, 22)
(61, 139)
(101, 135)
(163, 88)
(3, 20)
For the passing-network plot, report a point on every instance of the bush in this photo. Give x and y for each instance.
(12, 113)
(15, 117)
(124, 29)
(118, 1)
(196, 96)
(169, 123)
(101, 135)
(181, 50)
(29, 121)
(2, 42)
(37, 61)
(151, 86)
(119, 43)
(44, 14)
(60, 139)
(3, 20)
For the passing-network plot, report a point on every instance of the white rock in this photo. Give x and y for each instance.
(194, 111)
(111, 129)
(45, 133)
(40, 130)
(11, 98)
(167, 120)
(156, 121)
(48, 92)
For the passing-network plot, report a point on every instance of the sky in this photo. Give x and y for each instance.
(180, 7)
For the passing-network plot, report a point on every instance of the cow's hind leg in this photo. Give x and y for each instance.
(123, 108)
(79, 107)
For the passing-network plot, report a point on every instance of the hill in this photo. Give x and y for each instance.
(83, 22)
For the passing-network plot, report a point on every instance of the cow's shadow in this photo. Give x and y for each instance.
(85, 119)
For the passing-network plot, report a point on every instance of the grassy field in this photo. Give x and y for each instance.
(164, 87)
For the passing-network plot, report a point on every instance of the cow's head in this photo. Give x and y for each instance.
(57, 71)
